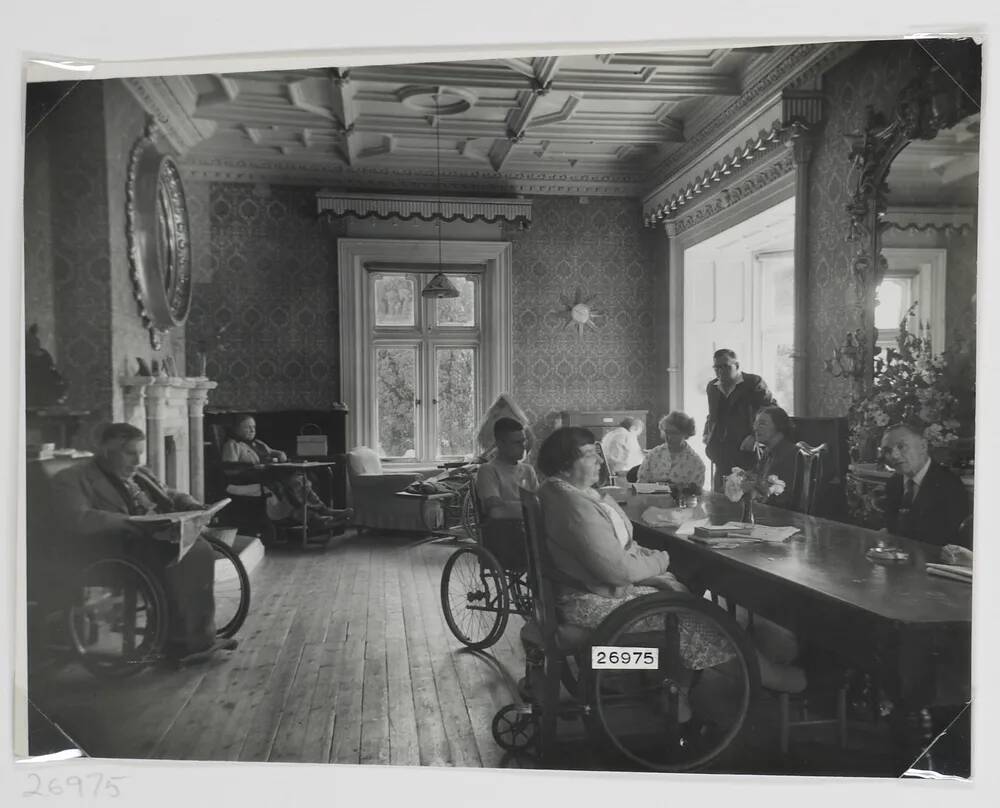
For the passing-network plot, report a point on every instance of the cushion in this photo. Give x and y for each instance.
(363, 460)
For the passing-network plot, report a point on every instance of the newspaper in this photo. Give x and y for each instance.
(180, 527)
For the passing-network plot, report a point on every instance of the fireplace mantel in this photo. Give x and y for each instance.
(169, 409)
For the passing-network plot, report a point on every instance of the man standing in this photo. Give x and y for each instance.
(97, 498)
(924, 501)
(734, 399)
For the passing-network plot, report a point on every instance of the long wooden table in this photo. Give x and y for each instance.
(910, 629)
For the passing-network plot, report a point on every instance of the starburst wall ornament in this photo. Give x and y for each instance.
(579, 312)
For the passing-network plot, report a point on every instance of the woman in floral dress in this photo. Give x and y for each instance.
(674, 461)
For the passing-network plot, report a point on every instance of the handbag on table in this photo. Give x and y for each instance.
(311, 443)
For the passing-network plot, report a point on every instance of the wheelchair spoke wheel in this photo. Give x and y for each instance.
(520, 594)
(118, 620)
(515, 727)
(469, 517)
(474, 597)
(232, 590)
(684, 714)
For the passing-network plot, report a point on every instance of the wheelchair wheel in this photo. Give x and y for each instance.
(118, 620)
(474, 597)
(521, 599)
(685, 713)
(232, 590)
(515, 727)
(469, 517)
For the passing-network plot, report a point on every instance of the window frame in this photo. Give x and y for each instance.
(926, 268)
(357, 331)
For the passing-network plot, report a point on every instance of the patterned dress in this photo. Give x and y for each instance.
(701, 644)
(682, 467)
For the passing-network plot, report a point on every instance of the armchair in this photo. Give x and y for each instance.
(373, 496)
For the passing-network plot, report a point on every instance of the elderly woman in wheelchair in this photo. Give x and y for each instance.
(678, 674)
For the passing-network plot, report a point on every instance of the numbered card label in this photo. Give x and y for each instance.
(617, 658)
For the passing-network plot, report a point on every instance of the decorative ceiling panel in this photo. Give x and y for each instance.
(599, 124)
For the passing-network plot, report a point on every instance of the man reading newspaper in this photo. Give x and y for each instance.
(111, 498)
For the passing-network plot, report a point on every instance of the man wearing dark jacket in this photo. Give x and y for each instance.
(97, 498)
(924, 500)
(734, 399)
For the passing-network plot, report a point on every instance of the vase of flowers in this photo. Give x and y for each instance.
(748, 486)
(910, 385)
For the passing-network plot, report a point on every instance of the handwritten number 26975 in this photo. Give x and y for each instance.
(90, 785)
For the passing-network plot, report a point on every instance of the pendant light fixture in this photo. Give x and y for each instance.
(439, 286)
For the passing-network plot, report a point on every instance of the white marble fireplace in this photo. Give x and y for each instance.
(169, 409)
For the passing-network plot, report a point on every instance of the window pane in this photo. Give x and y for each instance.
(394, 296)
(783, 292)
(461, 310)
(893, 298)
(784, 376)
(455, 379)
(395, 381)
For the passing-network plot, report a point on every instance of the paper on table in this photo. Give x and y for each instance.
(666, 517)
(184, 526)
(953, 569)
(775, 534)
(651, 488)
(686, 530)
(947, 573)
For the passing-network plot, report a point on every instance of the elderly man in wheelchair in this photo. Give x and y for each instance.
(662, 679)
(128, 583)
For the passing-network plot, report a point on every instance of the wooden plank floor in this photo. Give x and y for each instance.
(345, 658)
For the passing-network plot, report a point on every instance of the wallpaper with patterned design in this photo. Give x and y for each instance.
(124, 123)
(270, 278)
(601, 249)
(77, 244)
(873, 76)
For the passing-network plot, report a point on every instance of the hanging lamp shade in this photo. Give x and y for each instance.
(439, 286)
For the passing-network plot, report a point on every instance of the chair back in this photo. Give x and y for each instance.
(808, 475)
(543, 602)
(361, 461)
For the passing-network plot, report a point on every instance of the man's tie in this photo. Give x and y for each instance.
(908, 493)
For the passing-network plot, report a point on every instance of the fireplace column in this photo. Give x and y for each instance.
(197, 398)
(156, 406)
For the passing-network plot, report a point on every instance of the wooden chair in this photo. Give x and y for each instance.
(808, 475)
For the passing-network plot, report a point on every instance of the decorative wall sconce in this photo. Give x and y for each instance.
(578, 312)
(849, 360)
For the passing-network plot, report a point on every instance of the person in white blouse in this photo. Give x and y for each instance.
(621, 446)
(674, 461)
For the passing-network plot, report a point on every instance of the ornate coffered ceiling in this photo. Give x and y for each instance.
(615, 124)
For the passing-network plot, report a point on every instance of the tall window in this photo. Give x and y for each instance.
(776, 309)
(918, 276)
(426, 365)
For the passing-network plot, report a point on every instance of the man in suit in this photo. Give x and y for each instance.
(924, 501)
(734, 399)
(97, 498)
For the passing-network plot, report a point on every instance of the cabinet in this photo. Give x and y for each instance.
(600, 422)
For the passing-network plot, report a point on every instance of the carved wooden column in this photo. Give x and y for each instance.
(802, 112)
(197, 398)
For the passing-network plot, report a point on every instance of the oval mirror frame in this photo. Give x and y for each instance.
(158, 232)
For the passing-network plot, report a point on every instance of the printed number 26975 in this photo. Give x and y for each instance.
(615, 657)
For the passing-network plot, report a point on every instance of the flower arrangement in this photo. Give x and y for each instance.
(910, 384)
(742, 484)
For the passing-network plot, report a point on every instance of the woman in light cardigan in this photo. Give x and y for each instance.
(600, 566)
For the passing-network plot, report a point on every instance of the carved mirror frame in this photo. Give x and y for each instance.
(158, 238)
(944, 91)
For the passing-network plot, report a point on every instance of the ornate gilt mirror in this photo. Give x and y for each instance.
(158, 238)
(943, 95)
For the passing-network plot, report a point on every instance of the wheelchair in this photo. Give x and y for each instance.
(479, 591)
(647, 696)
(109, 610)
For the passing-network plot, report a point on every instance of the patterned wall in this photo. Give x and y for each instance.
(124, 123)
(601, 249)
(270, 277)
(874, 76)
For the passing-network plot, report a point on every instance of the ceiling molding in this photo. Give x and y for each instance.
(171, 100)
(784, 67)
(740, 191)
(426, 208)
(478, 181)
(744, 159)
